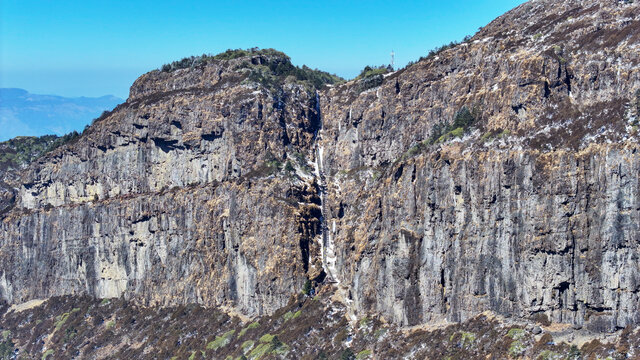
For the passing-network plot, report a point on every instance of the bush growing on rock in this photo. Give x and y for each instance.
(369, 71)
(23, 150)
(347, 354)
(6, 349)
(442, 132)
(306, 289)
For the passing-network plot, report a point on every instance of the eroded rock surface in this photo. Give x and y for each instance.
(534, 209)
(178, 196)
(214, 186)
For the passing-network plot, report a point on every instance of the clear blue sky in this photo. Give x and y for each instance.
(99, 47)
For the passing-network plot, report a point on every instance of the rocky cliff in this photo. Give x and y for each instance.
(185, 193)
(497, 175)
(532, 209)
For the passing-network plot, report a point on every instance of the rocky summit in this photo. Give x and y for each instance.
(483, 202)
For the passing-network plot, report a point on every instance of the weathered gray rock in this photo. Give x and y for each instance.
(533, 211)
(173, 198)
(529, 233)
(200, 189)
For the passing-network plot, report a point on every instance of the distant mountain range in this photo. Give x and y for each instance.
(26, 114)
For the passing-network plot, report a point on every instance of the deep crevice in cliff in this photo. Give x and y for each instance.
(327, 247)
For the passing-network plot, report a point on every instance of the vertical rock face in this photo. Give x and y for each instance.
(532, 209)
(500, 174)
(177, 196)
(449, 235)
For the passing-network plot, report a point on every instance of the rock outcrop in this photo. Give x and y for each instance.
(177, 196)
(500, 175)
(533, 210)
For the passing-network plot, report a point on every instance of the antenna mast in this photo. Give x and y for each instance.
(393, 56)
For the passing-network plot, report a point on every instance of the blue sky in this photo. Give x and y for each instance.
(98, 47)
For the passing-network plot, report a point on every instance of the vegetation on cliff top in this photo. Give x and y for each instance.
(195, 61)
(22, 150)
(371, 77)
(273, 68)
(268, 67)
(277, 71)
(369, 71)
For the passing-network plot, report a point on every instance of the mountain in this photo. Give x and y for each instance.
(480, 203)
(16, 154)
(25, 114)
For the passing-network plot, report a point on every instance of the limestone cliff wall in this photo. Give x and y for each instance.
(193, 245)
(452, 234)
(534, 210)
(209, 186)
(177, 196)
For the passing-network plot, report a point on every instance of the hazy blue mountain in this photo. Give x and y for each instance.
(26, 114)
